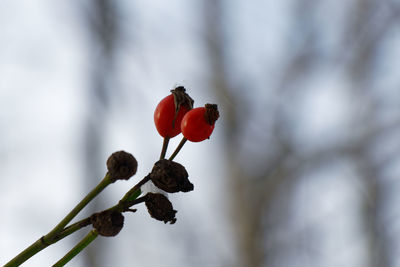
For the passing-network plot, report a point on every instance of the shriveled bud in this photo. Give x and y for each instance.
(170, 176)
(121, 165)
(212, 113)
(107, 223)
(160, 208)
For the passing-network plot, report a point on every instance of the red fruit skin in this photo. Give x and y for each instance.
(164, 115)
(194, 126)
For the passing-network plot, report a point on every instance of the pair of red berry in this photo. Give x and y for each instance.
(174, 114)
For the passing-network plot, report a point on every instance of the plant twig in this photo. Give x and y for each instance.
(59, 232)
(135, 191)
(164, 147)
(78, 248)
(92, 194)
(27, 253)
(54, 236)
(178, 148)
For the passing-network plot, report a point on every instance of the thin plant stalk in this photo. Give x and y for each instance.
(40, 244)
(92, 194)
(27, 253)
(178, 148)
(164, 147)
(54, 235)
(59, 233)
(135, 191)
(122, 205)
(78, 248)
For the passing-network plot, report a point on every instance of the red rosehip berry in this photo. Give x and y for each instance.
(170, 111)
(198, 124)
(164, 117)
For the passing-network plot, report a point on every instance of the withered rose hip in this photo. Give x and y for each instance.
(160, 208)
(107, 223)
(170, 176)
(121, 165)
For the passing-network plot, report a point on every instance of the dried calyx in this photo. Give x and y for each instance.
(170, 176)
(212, 113)
(181, 98)
(160, 208)
(121, 165)
(107, 223)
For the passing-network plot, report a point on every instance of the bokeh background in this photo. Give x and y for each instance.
(302, 169)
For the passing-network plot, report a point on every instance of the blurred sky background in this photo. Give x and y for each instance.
(302, 169)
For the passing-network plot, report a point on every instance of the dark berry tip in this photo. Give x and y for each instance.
(181, 98)
(212, 113)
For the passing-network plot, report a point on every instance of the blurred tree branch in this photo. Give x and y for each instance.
(252, 193)
(101, 19)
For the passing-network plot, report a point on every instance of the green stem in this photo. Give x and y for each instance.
(78, 248)
(179, 147)
(92, 194)
(27, 253)
(45, 241)
(59, 232)
(71, 229)
(135, 191)
(40, 244)
(164, 147)
(122, 206)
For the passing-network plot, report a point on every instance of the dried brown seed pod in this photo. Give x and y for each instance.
(108, 222)
(160, 208)
(170, 176)
(121, 165)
